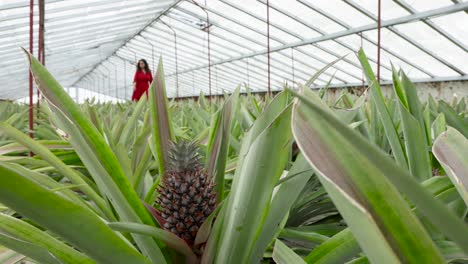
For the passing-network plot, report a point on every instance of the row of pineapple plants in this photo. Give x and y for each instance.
(293, 179)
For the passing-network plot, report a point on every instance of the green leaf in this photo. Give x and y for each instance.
(434, 210)
(438, 126)
(96, 155)
(301, 235)
(262, 160)
(131, 123)
(49, 144)
(26, 249)
(336, 250)
(48, 182)
(28, 234)
(379, 104)
(205, 229)
(453, 119)
(77, 225)
(382, 222)
(283, 199)
(169, 238)
(210, 251)
(161, 120)
(218, 144)
(414, 105)
(284, 255)
(451, 149)
(414, 133)
(62, 168)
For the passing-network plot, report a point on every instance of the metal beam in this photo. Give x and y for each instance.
(263, 34)
(237, 43)
(432, 25)
(60, 18)
(457, 2)
(315, 29)
(234, 69)
(347, 26)
(289, 32)
(176, 2)
(190, 38)
(406, 37)
(386, 23)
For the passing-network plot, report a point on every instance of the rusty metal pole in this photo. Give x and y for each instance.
(31, 42)
(40, 51)
(268, 46)
(379, 27)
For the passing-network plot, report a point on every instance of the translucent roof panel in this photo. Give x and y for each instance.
(79, 34)
(213, 46)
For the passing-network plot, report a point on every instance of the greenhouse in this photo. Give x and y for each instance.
(233, 132)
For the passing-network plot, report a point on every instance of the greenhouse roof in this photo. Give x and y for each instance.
(94, 44)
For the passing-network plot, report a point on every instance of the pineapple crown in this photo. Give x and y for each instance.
(183, 156)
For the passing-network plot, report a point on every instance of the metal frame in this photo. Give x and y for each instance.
(387, 23)
(347, 26)
(246, 52)
(406, 37)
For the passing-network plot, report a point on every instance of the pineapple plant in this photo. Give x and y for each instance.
(254, 220)
(186, 193)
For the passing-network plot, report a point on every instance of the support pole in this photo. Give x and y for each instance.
(31, 41)
(379, 27)
(108, 79)
(268, 46)
(176, 60)
(116, 81)
(40, 51)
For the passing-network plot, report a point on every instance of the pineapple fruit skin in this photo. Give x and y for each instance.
(186, 193)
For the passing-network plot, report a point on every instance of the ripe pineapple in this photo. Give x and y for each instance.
(186, 195)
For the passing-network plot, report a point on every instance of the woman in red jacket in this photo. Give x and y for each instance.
(142, 80)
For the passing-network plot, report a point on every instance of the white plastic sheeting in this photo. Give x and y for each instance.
(94, 44)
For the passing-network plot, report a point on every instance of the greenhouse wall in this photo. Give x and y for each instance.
(446, 91)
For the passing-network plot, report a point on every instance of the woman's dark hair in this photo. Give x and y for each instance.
(147, 69)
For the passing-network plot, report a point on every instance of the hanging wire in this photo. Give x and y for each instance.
(292, 67)
(175, 56)
(248, 73)
(207, 30)
(216, 77)
(193, 83)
